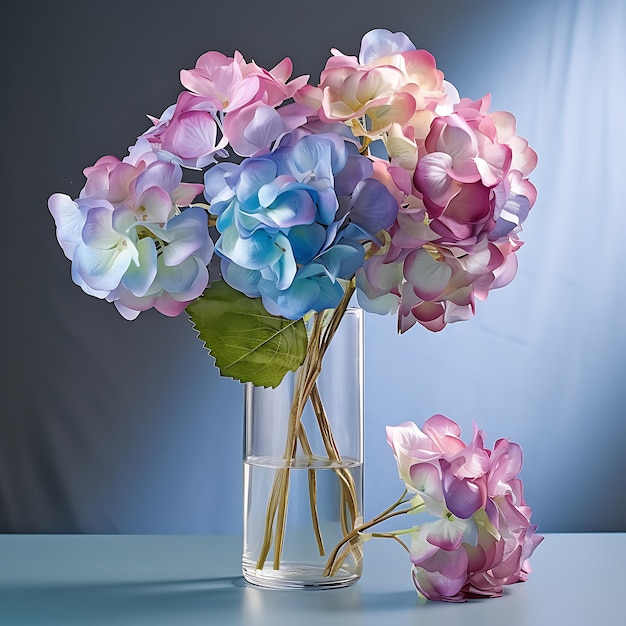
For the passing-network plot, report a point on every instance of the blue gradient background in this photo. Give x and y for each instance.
(111, 426)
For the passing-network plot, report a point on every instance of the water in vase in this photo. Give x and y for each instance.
(336, 486)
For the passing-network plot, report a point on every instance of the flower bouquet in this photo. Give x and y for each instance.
(379, 184)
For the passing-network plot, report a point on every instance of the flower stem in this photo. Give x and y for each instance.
(305, 390)
(306, 447)
(391, 536)
(348, 488)
(338, 553)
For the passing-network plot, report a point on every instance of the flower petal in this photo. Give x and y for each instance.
(138, 277)
(428, 276)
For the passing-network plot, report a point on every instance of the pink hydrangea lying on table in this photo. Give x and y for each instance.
(481, 538)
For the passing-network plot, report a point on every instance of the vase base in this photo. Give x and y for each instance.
(297, 576)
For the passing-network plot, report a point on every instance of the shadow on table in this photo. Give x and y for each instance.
(180, 602)
(315, 607)
(206, 601)
(144, 602)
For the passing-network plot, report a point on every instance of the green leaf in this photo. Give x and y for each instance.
(247, 343)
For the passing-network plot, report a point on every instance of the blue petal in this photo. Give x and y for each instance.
(188, 233)
(219, 182)
(514, 212)
(373, 207)
(327, 205)
(254, 174)
(292, 303)
(178, 278)
(284, 269)
(357, 168)
(323, 154)
(311, 290)
(381, 43)
(254, 253)
(342, 260)
(306, 241)
(138, 278)
(291, 208)
(246, 281)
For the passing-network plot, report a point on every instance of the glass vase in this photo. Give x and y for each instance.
(303, 464)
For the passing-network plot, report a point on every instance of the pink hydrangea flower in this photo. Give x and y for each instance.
(458, 229)
(497, 557)
(235, 83)
(389, 83)
(434, 461)
(247, 96)
(482, 537)
(187, 132)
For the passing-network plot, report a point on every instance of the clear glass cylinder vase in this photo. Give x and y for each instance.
(303, 467)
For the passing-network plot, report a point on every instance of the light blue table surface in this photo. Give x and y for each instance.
(195, 580)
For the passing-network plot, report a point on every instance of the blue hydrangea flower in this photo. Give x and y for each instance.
(294, 221)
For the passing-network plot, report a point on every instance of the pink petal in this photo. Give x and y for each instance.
(428, 312)
(433, 180)
(156, 203)
(426, 479)
(494, 163)
(439, 426)
(282, 71)
(452, 564)
(191, 135)
(464, 497)
(186, 193)
(245, 92)
(446, 534)
(435, 586)
(428, 276)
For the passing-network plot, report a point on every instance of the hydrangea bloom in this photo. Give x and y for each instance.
(459, 224)
(293, 222)
(127, 239)
(460, 174)
(187, 132)
(388, 83)
(481, 538)
(247, 97)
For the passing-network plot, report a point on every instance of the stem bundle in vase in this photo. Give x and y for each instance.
(323, 328)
